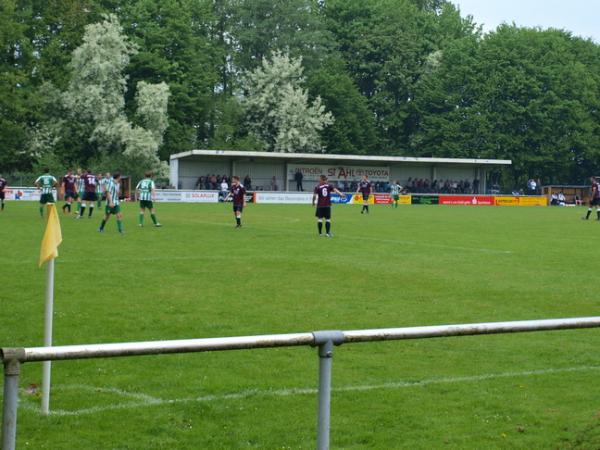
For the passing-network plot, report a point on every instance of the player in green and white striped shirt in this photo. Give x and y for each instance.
(113, 206)
(395, 189)
(146, 192)
(80, 185)
(46, 183)
(99, 190)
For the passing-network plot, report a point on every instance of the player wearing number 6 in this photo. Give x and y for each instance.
(146, 191)
(322, 196)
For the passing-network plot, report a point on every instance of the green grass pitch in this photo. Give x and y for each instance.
(199, 277)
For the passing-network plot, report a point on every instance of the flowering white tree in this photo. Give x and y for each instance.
(96, 95)
(278, 109)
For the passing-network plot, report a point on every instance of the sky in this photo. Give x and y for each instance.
(580, 17)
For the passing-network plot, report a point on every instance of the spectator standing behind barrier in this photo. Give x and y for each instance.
(475, 186)
(247, 182)
(299, 177)
(224, 189)
(274, 184)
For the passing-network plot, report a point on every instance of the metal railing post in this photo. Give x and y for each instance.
(325, 340)
(12, 370)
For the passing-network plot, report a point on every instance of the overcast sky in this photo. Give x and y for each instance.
(581, 17)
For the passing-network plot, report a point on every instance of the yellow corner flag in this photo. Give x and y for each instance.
(52, 236)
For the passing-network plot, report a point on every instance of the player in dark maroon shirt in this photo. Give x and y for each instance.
(2, 186)
(322, 196)
(237, 193)
(594, 199)
(69, 190)
(89, 193)
(364, 187)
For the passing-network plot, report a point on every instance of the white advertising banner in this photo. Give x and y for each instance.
(24, 193)
(312, 172)
(175, 196)
(283, 197)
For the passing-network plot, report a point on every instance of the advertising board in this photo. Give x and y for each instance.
(424, 200)
(312, 172)
(466, 200)
(283, 197)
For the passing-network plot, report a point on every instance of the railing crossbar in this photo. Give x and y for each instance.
(12, 358)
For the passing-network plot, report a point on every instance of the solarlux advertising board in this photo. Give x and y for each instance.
(312, 172)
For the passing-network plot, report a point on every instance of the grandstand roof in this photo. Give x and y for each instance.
(330, 157)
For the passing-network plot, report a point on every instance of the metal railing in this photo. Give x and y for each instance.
(13, 358)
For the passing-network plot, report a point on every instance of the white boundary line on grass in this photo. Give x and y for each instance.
(144, 401)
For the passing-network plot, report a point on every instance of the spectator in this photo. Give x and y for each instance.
(531, 187)
(199, 183)
(224, 189)
(476, 186)
(213, 182)
(274, 184)
(299, 177)
(562, 200)
(247, 183)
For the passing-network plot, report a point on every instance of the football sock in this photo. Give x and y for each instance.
(102, 224)
(238, 220)
(589, 211)
(81, 210)
(2, 205)
(42, 211)
(78, 207)
(91, 210)
(367, 208)
(99, 203)
(120, 225)
(327, 226)
(320, 226)
(153, 217)
(141, 218)
(598, 213)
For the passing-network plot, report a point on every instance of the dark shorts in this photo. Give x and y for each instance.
(366, 197)
(114, 210)
(146, 204)
(323, 212)
(237, 208)
(396, 197)
(70, 194)
(89, 197)
(1, 195)
(46, 198)
(595, 201)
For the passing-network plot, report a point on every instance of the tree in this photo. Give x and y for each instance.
(95, 98)
(278, 110)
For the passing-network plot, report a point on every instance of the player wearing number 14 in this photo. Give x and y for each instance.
(322, 196)
(146, 191)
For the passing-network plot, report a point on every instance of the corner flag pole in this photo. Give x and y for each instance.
(48, 314)
(49, 251)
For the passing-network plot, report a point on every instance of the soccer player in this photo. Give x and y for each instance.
(89, 194)
(238, 193)
(79, 183)
(104, 183)
(322, 196)
(146, 191)
(2, 186)
(395, 189)
(594, 199)
(46, 183)
(99, 190)
(364, 187)
(68, 185)
(113, 206)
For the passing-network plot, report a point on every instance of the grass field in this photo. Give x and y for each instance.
(199, 277)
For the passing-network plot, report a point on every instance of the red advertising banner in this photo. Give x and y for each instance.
(471, 200)
(382, 199)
